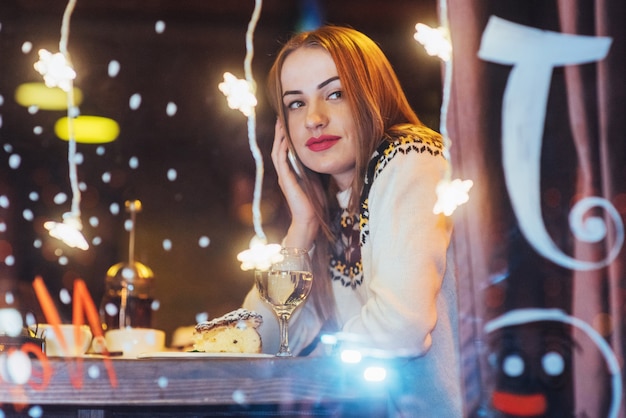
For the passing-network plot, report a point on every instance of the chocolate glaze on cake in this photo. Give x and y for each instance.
(234, 318)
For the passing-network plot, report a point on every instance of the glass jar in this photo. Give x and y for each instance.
(128, 296)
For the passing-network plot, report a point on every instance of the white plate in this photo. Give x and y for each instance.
(196, 354)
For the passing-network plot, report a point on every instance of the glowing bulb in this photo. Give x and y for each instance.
(451, 194)
(351, 356)
(375, 374)
(68, 231)
(55, 69)
(436, 41)
(260, 255)
(10, 322)
(328, 339)
(239, 93)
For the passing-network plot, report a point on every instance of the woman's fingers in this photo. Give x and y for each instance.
(287, 179)
(280, 149)
(278, 139)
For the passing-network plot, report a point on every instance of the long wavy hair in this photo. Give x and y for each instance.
(379, 107)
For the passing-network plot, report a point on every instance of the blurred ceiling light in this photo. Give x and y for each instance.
(68, 231)
(88, 129)
(44, 97)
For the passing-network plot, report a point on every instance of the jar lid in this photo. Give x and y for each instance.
(130, 272)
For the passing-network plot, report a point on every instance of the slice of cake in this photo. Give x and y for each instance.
(235, 332)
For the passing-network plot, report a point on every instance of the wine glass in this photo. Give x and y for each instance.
(285, 285)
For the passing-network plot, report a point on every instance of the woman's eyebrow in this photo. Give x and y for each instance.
(330, 80)
(319, 86)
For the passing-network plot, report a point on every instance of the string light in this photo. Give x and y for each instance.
(57, 71)
(260, 255)
(436, 41)
(241, 95)
(451, 194)
(68, 231)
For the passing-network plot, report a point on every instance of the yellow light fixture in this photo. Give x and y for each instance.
(88, 129)
(44, 97)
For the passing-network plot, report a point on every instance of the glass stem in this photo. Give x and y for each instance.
(283, 321)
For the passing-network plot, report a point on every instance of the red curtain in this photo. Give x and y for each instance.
(583, 154)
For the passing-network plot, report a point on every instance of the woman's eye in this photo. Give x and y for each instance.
(335, 95)
(295, 104)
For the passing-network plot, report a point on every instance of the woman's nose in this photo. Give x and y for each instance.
(316, 117)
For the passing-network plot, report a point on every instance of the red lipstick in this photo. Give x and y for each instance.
(322, 142)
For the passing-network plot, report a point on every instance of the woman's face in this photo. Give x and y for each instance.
(319, 118)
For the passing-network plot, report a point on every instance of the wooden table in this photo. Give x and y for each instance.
(232, 386)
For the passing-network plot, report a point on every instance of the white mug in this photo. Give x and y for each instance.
(133, 341)
(75, 347)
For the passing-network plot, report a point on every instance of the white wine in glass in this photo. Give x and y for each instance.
(284, 286)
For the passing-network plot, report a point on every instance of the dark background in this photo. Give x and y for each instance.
(205, 141)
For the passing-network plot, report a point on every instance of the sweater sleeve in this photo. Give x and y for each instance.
(404, 256)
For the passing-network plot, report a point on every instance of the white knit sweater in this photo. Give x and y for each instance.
(407, 300)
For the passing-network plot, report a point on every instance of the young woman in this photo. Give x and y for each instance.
(361, 198)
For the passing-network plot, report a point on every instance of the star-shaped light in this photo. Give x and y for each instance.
(436, 41)
(451, 194)
(260, 255)
(68, 231)
(55, 69)
(239, 93)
